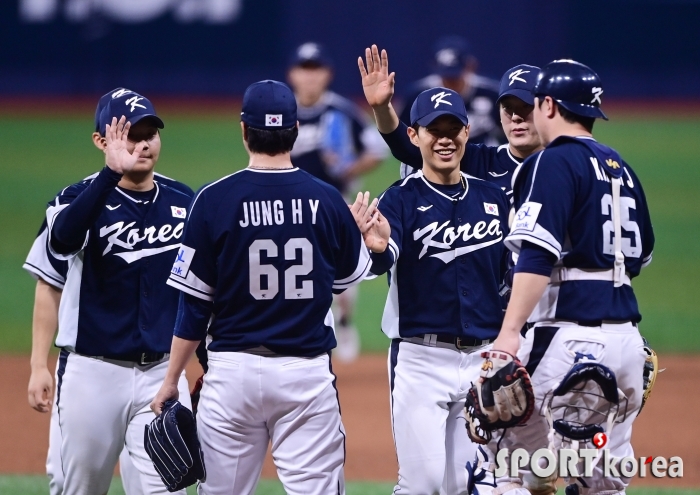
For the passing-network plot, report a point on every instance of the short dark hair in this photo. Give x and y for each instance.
(571, 117)
(268, 142)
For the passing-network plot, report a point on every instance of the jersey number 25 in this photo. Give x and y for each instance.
(291, 288)
(629, 249)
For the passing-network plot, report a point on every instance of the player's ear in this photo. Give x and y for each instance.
(467, 128)
(99, 141)
(550, 108)
(413, 135)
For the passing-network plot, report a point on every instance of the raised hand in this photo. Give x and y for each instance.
(377, 82)
(373, 225)
(117, 152)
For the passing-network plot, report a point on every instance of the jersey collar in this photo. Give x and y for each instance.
(450, 199)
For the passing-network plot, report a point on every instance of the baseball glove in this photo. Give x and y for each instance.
(651, 370)
(502, 398)
(172, 444)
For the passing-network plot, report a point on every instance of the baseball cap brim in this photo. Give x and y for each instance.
(522, 94)
(583, 110)
(427, 119)
(155, 118)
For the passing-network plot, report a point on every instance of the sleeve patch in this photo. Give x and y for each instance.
(526, 217)
(182, 263)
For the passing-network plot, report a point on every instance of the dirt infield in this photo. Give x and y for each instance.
(668, 427)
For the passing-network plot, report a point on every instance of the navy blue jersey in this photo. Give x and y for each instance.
(333, 133)
(563, 196)
(268, 248)
(493, 164)
(448, 258)
(480, 100)
(115, 302)
(41, 264)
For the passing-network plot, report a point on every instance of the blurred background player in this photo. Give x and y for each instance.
(117, 231)
(454, 67)
(337, 143)
(50, 274)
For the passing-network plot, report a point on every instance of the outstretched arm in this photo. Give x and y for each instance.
(378, 86)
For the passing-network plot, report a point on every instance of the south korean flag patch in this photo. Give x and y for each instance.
(178, 212)
(273, 120)
(491, 209)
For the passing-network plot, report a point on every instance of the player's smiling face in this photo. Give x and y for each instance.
(441, 143)
(517, 120)
(145, 130)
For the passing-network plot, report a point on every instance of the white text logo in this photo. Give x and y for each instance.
(576, 463)
(439, 98)
(134, 102)
(515, 76)
(449, 236)
(596, 95)
(151, 234)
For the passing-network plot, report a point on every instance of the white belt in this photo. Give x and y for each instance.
(564, 274)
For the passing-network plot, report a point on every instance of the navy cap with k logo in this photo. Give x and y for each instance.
(435, 102)
(129, 104)
(519, 81)
(269, 105)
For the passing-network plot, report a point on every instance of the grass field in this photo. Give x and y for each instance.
(40, 155)
(37, 485)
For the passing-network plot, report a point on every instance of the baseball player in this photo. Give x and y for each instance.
(117, 231)
(446, 261)
(581, 232)
(454, 68)
(50, 274)
(337, 143)
(491, 163)
(262, 252)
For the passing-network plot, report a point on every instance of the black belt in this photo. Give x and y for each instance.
(458, 342)
(140, 358)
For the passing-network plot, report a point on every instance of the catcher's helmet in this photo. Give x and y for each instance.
(573, 85)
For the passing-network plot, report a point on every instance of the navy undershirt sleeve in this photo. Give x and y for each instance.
(193, 316)
(381, 262)
(535, 259)
(402, 148)
(72, 223)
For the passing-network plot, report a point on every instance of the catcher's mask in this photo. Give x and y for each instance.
(585, 399)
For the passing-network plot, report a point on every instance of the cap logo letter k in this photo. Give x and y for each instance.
(439, 98)
(133, 101)
(596, 95)
(515, 76)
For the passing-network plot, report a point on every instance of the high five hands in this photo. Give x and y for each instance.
(377, 82)
(373, 225)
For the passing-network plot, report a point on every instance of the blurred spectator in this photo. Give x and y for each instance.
(337, 143)
(454, 68)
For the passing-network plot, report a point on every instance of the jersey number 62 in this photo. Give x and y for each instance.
(291, 288)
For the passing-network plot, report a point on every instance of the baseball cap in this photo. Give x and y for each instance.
(451, 54)
(310, 53)
(435, 102)
(269, 105)
(519, 81)
(101, 104)
(128, 103)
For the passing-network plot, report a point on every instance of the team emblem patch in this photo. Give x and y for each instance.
(178, 212)
(273, 120)
(182, 261)
(526, 217)
(491, 209)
